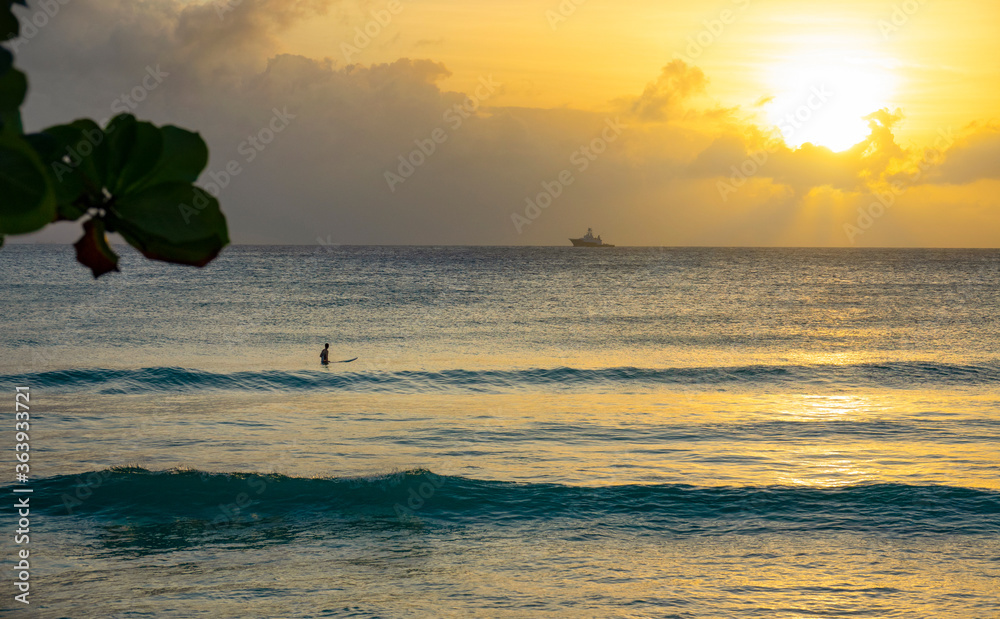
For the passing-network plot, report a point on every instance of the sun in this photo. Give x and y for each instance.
(823, 98)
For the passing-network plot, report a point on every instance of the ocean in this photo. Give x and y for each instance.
(527, 432)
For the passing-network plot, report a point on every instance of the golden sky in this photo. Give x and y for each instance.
(744, 122)
(938, 61)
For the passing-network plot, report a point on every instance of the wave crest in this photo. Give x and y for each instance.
(174, 379)
(136, 494)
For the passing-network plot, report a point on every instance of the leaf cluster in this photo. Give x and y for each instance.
(129, 177)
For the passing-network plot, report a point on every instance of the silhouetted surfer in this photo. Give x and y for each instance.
(324, 357)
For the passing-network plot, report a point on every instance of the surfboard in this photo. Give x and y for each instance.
(346, 360)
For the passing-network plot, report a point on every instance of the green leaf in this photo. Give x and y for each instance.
(27, 198)
(69, 182)
(93, 251)
(68, 211)
(77, 154)
(183, 157)
(134, 148)
(13, 89)
(10, 27)
(173, 222)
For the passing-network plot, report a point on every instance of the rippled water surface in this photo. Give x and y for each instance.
(526, 432)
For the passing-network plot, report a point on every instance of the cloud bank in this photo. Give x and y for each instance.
(385, 154)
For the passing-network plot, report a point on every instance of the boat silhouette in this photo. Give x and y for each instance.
(589, 240)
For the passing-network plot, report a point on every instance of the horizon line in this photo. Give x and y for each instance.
(10, 243)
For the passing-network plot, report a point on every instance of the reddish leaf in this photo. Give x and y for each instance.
(93, 251)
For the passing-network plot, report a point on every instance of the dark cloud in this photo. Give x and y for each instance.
(973, 157)
(348, 126)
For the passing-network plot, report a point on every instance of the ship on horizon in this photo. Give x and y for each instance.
(589, 240)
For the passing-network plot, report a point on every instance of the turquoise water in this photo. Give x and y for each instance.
(527, 432)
